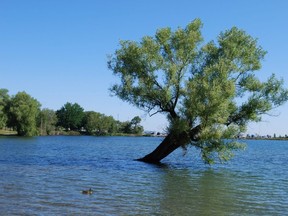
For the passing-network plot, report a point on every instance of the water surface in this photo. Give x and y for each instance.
(45, 176)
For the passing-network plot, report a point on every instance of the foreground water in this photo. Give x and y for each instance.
(45, 176)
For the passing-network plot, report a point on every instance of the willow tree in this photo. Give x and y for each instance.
(209, 92)
(23, 111)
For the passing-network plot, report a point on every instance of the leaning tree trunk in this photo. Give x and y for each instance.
(170, 143)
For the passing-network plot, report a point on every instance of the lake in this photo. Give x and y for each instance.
(45, 176)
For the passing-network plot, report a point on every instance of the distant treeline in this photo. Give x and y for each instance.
(23, 113)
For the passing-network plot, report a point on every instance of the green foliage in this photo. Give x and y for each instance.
(216, 142)
(91, 122)
(70, 116)
(4, 99)
(99, 124)
(151, 70)
(136, 128)
(132, 127)
(125, 127)
(47, 121)
(22, 114)
(220, 149)
(198, 85)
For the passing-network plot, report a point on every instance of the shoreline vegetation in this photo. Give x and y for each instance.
(7, 133)
(22, 115)
(81, 133)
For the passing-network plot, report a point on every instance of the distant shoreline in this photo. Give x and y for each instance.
(263, 138)
(8, 133)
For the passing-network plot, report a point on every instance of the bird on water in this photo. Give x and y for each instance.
(90, 191)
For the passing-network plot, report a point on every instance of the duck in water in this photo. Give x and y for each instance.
(90, 191)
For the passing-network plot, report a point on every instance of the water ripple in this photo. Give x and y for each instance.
(45, 176)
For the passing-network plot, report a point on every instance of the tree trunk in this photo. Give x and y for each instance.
(170, 143)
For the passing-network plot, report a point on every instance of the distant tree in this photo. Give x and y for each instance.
(47, 121)
(92, 122)
(111, 124)
(126, 127)
(135, 125)
(198, 86)
(70, 116)
(99, 124)
(132, 127)
(4, 98)
(135, 121)
(23, 111)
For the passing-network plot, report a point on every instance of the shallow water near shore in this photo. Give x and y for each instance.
(45, 176)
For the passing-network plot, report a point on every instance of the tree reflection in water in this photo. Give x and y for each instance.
(204, 192)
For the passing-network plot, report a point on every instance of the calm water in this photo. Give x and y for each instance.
(45, 176)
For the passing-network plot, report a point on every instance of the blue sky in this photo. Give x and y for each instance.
(57, 50)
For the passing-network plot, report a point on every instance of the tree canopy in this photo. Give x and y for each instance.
(70, 116)
(132, 127)
(47, 121)
(22, 112)
(99, 124)
(4, 98)
(209, 91)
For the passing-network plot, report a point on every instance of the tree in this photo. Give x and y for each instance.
(133, 126)
(125, 127)
(90, 121)
(4, 98)
(47, 121)
(70, 116)
(209, 92)
(99, 124)
(23, 111)
(111, 124)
